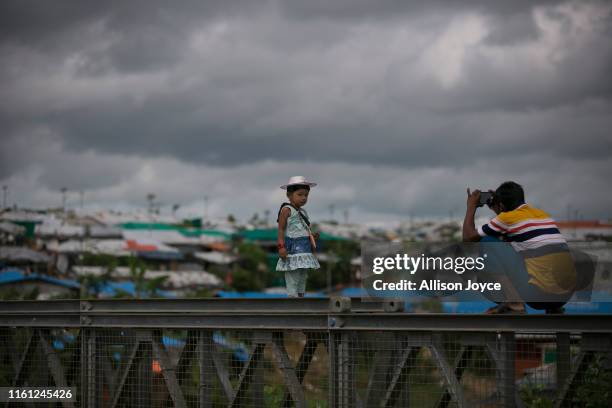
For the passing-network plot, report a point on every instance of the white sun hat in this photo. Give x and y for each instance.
(298, 180)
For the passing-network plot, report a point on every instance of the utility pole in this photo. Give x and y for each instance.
(151, 200)
(331, 211)
(267, 217)
(4, 196)
(205, 209)
(64, 190)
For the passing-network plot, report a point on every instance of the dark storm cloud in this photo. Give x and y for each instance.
(366, 9)
(513, 28)
(413, 86)
(146, 34)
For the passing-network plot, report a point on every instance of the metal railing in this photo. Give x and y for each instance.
(300, 352)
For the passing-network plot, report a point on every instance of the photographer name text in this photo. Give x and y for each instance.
(435, 285)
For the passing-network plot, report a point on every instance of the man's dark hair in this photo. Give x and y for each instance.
(296, 187)
(510, 194)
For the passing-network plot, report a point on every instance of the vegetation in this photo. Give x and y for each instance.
(340, 269)
(532, 396)
(92, 285)
(143, 288)
(14, 294)
(595, 390)
(251, 271)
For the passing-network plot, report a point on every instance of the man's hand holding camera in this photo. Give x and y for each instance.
(479, 198)
(473, 199)
(476, 199)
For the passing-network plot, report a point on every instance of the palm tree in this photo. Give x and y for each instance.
(144, 288)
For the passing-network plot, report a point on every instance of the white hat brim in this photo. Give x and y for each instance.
(303, 183)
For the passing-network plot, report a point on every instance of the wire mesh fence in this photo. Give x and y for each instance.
(195, 367)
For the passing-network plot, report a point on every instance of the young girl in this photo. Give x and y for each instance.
(296, 243)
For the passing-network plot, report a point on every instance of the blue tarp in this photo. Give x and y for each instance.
(114, 288)
(260, 295)
(8, 276)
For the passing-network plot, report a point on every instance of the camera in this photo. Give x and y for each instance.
(486, 197)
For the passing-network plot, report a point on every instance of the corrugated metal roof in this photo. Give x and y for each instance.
(271, 234)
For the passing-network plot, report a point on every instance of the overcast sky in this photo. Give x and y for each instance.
(394, 108)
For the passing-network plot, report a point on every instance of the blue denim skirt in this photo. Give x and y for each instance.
(300, 245)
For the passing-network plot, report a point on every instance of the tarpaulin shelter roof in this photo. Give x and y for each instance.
(176, 279)
(110, 289)
(115, 247)
(174, 234)
(11, 228)
(215, 257)
(28, 216)
(22, 254)
(169, 227)
(171, 237)
(8, 276)
(120, 247)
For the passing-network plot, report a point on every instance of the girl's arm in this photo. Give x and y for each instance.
(282, 225)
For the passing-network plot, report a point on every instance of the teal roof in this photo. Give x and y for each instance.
(271, 234)
(213, 233)
(188, 232)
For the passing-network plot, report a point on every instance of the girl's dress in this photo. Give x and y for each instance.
(297, 244)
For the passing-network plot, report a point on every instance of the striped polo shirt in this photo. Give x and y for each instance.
(535, 235)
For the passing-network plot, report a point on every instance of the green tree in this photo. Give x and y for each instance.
(91, 285)
(16, 294)
(344, 251)
(143, 287)
(595, 391)
(251, 271)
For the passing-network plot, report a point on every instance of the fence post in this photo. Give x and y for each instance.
(507, 354)
(257, 382)
(341, 369)
(331, 368)
(563, 359)
(143, 381)
(89, 380)
(207, 369)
